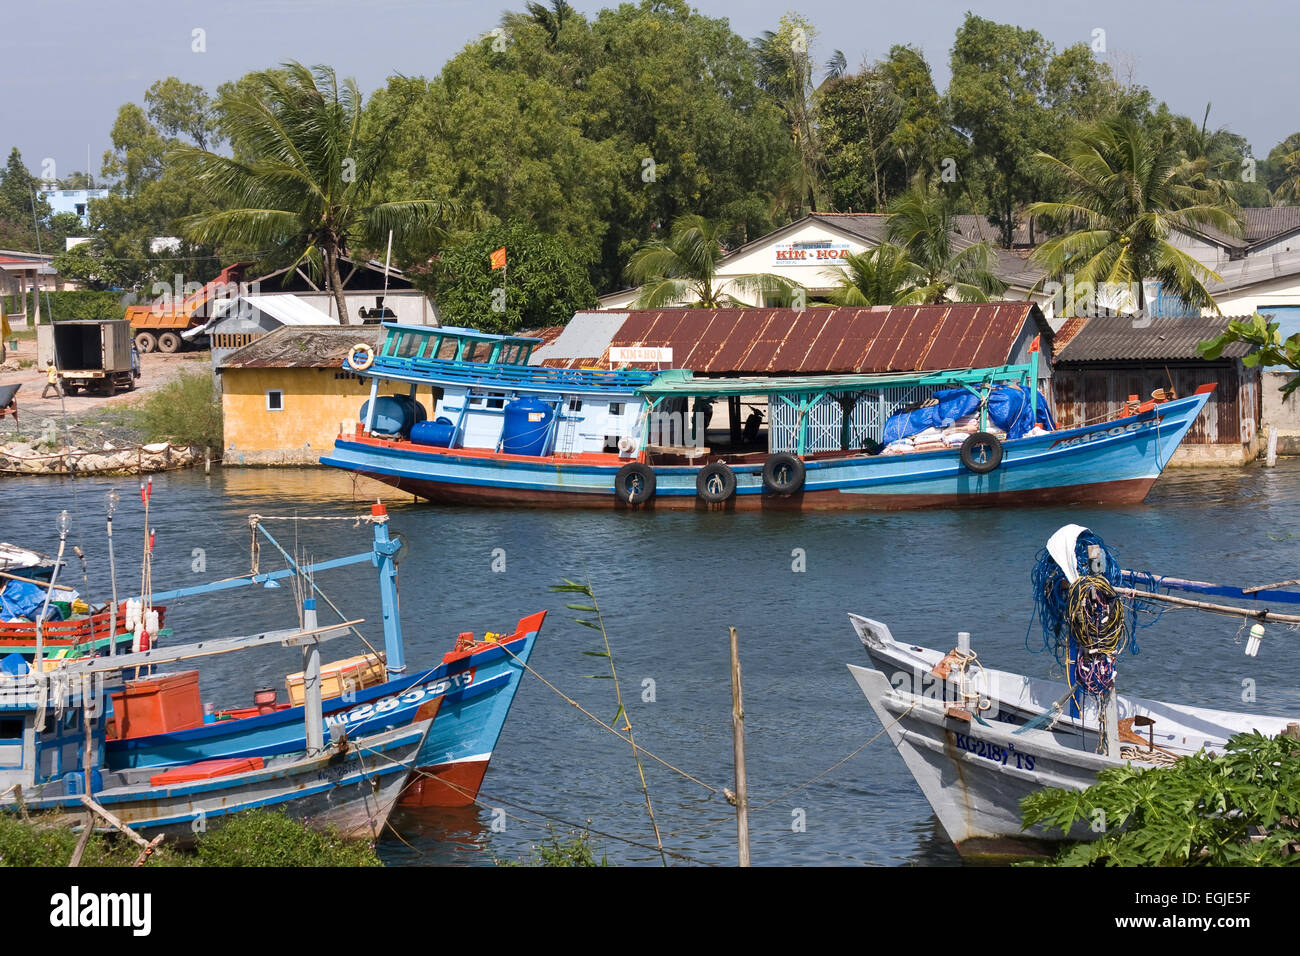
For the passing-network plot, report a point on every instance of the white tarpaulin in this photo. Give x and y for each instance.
(1061, 546)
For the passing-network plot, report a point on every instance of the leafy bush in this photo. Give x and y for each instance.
(32, 844)
(1241, 808)
(263, 838)
(185, 411)
(78, 304)
(554, 851)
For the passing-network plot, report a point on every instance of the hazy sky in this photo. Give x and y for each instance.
(69, 64)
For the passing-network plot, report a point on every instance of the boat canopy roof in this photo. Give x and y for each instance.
(683, 383)
(456, 344)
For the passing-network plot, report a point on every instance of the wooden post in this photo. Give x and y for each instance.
(1271, 456)
(1110, 707)
(315, 724)
(738, 743)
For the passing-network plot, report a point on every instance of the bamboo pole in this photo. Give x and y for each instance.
(738, 744)
(41, 584)
(1263, 614)
(1270, 587)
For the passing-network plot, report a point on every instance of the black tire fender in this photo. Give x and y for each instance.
(635, 483)
(715, 483)
(981, 453)
(783, 464)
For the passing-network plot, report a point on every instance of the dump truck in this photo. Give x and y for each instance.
(89, 355)
(160, 328)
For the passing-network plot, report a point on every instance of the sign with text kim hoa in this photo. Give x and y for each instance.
(817, 252)
(619, 355)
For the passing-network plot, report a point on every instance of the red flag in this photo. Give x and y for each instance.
(499, 259)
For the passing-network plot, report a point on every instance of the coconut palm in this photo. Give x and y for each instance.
(920, 222)
(683, 268)
(300, 185)
(1128, 190)
(880, 276)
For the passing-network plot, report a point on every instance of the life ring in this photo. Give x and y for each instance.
(715, 483)
(635, 483)
(981, 453)
(369, 360)
(783, 474)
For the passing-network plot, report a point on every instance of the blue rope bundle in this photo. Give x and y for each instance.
(1086, 621)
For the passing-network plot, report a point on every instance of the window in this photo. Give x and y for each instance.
(11, 728)
(575, 404)
(616, 408)
(496, 400)
(275, 400)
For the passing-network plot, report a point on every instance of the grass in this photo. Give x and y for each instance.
(252, 838)
(576, 850)
(185, 411)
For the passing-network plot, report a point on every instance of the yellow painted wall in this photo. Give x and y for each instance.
(315, 403)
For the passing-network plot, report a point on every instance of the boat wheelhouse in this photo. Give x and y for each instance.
(509, 434)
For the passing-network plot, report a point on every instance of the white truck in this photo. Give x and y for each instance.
(92, 354)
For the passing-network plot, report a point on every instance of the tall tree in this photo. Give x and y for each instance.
(920, 222)
(1128, 190)
(683, 269)
(304, 189)
(21, 205)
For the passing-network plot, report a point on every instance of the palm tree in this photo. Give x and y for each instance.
(550, 19)
(1128, 190)
(683, 268)
(299, 187)
(881, 276)
(920, 221)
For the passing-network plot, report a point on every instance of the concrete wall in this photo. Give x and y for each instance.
(316, 402)
(1284, 415)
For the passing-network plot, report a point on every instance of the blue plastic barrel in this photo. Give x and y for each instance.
(527, 425)
(437, 433)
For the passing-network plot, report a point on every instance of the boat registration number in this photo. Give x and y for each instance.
(995, 753)
(1109, 432)
(415, 695)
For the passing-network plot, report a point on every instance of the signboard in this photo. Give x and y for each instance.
(812, 252)
(641, 353)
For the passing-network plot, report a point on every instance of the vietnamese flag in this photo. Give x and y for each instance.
(499, 259)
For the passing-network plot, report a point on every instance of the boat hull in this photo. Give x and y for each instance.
(1113, 463)
(353, 793)
(474, 692)
(975, 775)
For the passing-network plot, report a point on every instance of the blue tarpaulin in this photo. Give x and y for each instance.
(22, 601)
(1008, 405)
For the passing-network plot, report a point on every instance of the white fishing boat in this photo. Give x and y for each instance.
(978, 740)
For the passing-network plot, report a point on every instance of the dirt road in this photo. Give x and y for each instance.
(157, 369)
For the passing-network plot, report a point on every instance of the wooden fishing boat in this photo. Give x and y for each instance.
(474, 683)
(52, 764)
(506, 433)
(78, 635)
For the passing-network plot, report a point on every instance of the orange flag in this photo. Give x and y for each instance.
(499, 258)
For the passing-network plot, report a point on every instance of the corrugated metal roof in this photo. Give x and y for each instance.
(588, 333)
(1243, 273)
(1113, 338)
(304, 346)
(821, 341)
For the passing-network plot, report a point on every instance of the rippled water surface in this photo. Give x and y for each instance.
(670, 584)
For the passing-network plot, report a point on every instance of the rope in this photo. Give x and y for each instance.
(837, 763)
(493, 806)
(569, 700)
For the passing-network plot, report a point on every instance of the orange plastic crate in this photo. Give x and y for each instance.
(158, 705)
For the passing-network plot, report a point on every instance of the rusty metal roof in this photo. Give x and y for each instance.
(1114, 338)
(827, 341)
(304, 346)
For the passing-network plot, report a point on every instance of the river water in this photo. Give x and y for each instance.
(669, 585)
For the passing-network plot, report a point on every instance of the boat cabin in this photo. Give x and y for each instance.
(461, 388)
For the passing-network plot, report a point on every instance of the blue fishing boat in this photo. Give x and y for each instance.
(474, 684)
(52, 758)
(508, 434)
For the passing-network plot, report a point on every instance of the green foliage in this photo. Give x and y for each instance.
(882, 276)
(250, 838)
(17, 216)
(682, 269)
(263, 838)
(301, 186)
(71, 304)
(920, 222)
(556, 851)
(184, 411)
(544, 280)
(34, 844)
(1240, 808)
(1127, 190)
(1269, 348)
